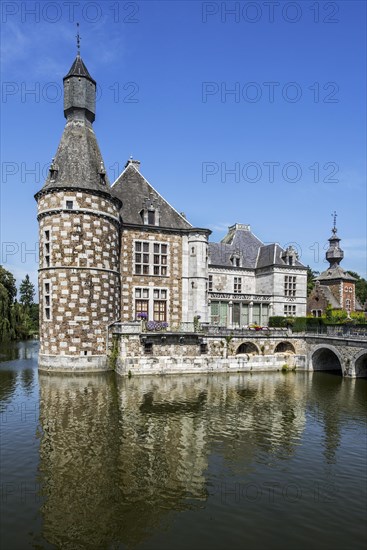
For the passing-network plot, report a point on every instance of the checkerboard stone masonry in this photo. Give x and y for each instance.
(83, 272)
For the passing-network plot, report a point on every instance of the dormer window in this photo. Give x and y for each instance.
(102, 174)
(290, 256)
(54, 170)
(151, 217)
(150, 212)
(235, 261)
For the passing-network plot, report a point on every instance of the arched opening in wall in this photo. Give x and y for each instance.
(324, 359)
(247, 347)
(361, 366)
(284, 347)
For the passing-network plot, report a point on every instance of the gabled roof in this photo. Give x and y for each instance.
(325, 290)
(133, 190)
(78, 68)
(253, 254)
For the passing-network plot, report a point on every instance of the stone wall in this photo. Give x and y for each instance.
(132, 366)
(172, 282)
(79, 280)
(192, 352)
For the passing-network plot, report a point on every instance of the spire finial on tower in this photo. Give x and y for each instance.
(78, 40)
(334, 215)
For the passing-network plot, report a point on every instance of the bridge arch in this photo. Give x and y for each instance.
(326, 358)
(360, 364)
(284, 347)
(247, 347)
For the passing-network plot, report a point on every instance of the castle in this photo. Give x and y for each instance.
(121, 252)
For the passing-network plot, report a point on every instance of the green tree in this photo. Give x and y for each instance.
(361, 287)
(17, 320)
(311, 274)
(7, 279)
(27, 292)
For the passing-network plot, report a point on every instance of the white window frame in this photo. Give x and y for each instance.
(237, 285)
(47, 294)
(290, 285)
(151, 295)
(47, 243)
(162, 267)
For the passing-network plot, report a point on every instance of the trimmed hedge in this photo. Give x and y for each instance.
(301, 324)
(297, 324)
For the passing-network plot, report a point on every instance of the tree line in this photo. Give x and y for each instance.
(18, 319)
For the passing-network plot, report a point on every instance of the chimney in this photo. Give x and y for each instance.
(135, 163)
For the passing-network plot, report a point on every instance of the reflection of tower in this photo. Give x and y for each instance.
(330, 396)
(79, 281)
(78, 459)
(111, 473)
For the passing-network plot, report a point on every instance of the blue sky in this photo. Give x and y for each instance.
(238, 112)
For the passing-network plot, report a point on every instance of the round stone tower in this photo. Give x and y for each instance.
(79, 232)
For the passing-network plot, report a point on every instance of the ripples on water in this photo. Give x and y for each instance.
(268, 460)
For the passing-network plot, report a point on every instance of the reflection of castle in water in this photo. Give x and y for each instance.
(116, 458)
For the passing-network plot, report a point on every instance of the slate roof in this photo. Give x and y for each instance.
(78, 68)
(78, 160)
(325, 290)
(334, 273)
(133, 189)
(253, 253)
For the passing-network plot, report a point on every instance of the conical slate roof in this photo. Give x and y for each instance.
(79, 69)
(78, 161)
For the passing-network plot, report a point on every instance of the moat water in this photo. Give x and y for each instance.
(261, 461)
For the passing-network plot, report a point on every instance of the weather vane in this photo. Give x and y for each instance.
(334, 215)
(78, 39)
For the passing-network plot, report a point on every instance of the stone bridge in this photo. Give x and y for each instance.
(346, 354)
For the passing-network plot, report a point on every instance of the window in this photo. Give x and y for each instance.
(148, 348)
(289, 285)
(289, 310)
(219, 313)
(203, 348)
(141, 303)
(210, 283)
(151, 258)
(316, 312)
(47, 300)
(160, 305)
(141, 258)
(347, 305)
(46, 247)
(237, 285)
(69, 205)
(160, 259)
(235, 261)
(151, 217)
(151, 304)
